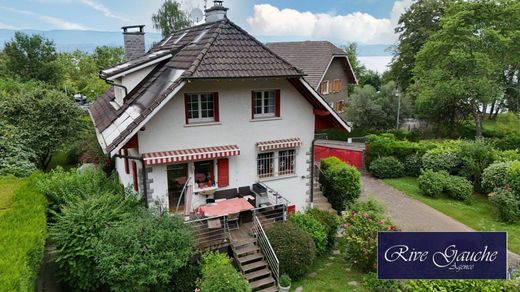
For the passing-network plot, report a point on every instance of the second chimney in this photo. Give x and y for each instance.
(134, 41)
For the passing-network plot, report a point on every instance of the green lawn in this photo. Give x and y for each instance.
(332, 275)
(7, 188)
(478, 214)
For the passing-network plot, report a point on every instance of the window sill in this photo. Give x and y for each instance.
(263, 179)
(265, 119)
(202, 124)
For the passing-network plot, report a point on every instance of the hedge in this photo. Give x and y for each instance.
(219, 275)
(22, 238)
(388, 145)
(341, 182)
(387, 167)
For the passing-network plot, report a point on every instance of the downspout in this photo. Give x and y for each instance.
(111, 82)
(312, 171)
(145, 190)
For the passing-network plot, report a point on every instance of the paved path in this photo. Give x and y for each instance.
(410, 214)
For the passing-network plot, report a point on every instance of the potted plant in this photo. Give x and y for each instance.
(284, 284)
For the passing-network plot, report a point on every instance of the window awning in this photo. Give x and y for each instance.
(174, 156)
(279, 144)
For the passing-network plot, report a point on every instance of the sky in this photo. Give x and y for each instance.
(367, 22)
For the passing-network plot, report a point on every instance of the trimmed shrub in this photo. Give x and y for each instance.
(387, 167)
(432, 183)
(413, 165)
(387, 145)
(219, 275)
(294, 248)
(314, 228)
(341, 183)
(61, 186)
(506, 205)
(475, 156)
(76, 233)
(329, 220)
(505, 156)
(22, 236)
(372, 283)
(513, 177)
(361, 223)
(458, 188)
(457, 285)
(508, 142)
(143, 252)
(495, 176)
(446, 158)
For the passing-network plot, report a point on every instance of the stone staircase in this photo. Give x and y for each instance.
(252, 264)
(320, 201)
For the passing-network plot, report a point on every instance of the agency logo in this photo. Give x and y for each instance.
(442, 255)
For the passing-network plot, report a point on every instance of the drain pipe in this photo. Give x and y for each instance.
(145, 190)
(312, 172)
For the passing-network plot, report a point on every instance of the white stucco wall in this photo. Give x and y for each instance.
(132, 79)
(167, 131)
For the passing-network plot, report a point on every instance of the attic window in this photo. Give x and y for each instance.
(200, 36)
(164, 43)
(179, 38)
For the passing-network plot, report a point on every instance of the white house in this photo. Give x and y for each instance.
(207, 109)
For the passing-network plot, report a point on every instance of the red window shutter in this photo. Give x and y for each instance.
(223, 172)
(216, 107)
(277, 103)
(331, 89)
(134, 174)
(186, 107)
(252, 104)
(127, 168)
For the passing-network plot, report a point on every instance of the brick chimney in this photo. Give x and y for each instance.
(134, 41)
(217, 12)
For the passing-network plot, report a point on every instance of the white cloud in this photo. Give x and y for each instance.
(103, 9)
(6, 26)
(269, 20)
(54, 21)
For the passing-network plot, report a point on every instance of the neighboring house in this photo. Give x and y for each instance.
(326, 67)
(209, 108)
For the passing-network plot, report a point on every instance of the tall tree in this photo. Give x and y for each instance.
(32, 57)
(106, 57)
(457, 71)
(170, 17)
(414, 28)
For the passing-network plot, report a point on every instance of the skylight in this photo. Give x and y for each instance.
(200, 36)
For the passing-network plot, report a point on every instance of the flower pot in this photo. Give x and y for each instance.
(283, 289)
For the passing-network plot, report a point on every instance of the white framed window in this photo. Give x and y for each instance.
(264, 104)
(200, 107)
(276, 163)
(325, 87)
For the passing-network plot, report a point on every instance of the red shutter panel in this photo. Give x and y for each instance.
(223, 172)
(252, 105)
(186, 107)
(277, 103)
(216, 107)
(134, 173)
(127, 168)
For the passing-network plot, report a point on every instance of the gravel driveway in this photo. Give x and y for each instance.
(410, 214)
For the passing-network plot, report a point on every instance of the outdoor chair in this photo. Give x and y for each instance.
(225, 194)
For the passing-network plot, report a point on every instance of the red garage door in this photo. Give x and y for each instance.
(351, 157)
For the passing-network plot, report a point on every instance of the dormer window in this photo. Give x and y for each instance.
(119, 93)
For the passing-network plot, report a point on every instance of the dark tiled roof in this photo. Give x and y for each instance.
(312, 57)
(216, 50)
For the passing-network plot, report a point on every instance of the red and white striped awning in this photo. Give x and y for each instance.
(279, 144)
(175, 156)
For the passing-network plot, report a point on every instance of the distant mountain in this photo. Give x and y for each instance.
(84, 40)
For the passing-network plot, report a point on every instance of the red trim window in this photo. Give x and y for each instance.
(265, 104)
(201, 107)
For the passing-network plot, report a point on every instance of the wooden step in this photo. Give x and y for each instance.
(247, 250)
(253, 266)
(240, 243)
(262, 282)
(248, 258)
(257, 274)
(269, 289)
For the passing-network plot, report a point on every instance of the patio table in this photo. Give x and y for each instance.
(226, 207)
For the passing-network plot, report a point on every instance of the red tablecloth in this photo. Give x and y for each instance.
(226, 207)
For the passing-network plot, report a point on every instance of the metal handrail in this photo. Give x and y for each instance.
(275, 193)
(267, 249)
(182, 193)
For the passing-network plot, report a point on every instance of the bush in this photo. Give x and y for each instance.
(219, 275)
(22, 236)
(341, 183)
(314, 228)
(432, 183)
(61, 186)
(76, 233)
(387, 145)
(372, 283)
(329, 220)
(285, 281)
(387, 167)
(513, 177)
(294, 248)
(361, 223)
(458, 188)
(413, 165)
(506, 205)
(475, 156)
(143, 252)
(505, 156)
(186, 278)
(508, 142)
(456, 285)
(446, 157)
(495, 176)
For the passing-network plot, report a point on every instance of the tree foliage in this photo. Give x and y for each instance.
(170, 17)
